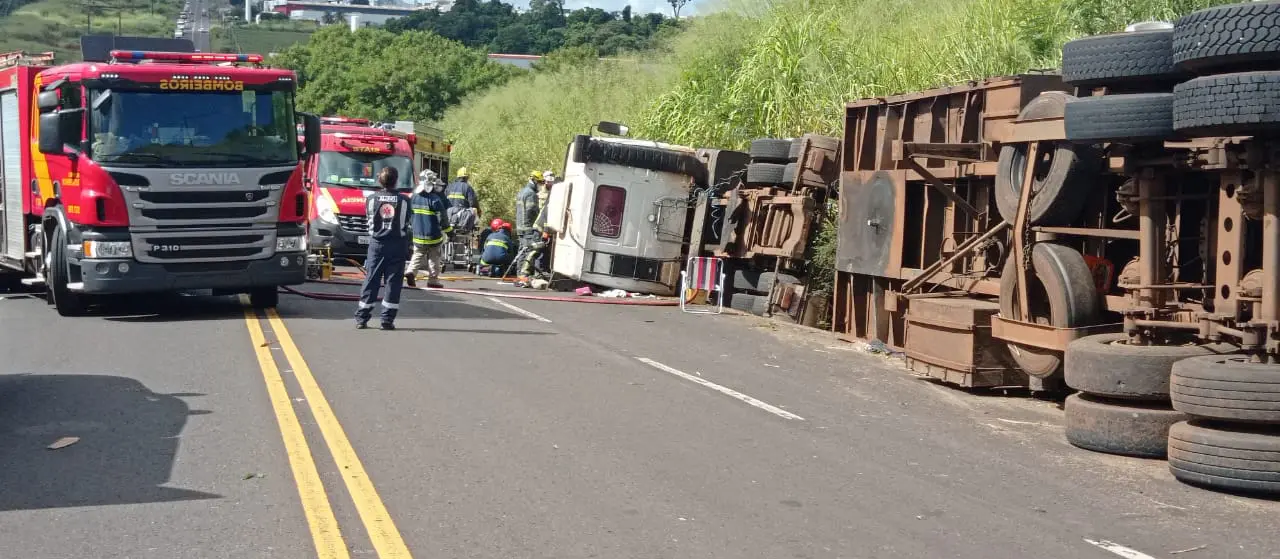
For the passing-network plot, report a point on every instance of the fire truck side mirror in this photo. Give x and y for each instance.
(311, 133)
(58, 128)
(47, 101)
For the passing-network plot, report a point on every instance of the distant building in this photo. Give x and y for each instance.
(525, 61)
(373, 15)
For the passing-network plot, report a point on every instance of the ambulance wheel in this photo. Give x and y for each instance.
(58, 276)
(264, 297)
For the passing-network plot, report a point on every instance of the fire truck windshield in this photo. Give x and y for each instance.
(196, 129)
(360, 170)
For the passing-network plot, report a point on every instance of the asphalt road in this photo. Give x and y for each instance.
(487, 428)
(200, 20)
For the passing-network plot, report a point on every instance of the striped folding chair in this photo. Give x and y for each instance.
(702, 276)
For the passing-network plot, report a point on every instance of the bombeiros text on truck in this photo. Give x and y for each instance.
(149, 171)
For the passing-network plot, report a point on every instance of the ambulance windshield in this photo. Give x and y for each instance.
(193, 129)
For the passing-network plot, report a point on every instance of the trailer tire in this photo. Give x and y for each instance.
(591, 150)
(1119, 427)
(1105, 365)
(765, 174)
(1227, 38)
(1228, 388)
(1121, 58)
(759, 282)
(58, 277)
(749, 303)
(789, 173)
(1066, 297)
(1064, 176)
(769, 150)
(264, 297)
(1244, 458)
(797, 146)
(1142, 117)
(1227, 104)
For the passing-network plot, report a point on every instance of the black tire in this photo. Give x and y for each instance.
(264, 297)
(1228, 388)
(765, 174)
(789, 174)
(1119, 427)
(1231, 37)
(748, 303)
(1227, 104)
(1231, 458)
(1120, 58)
(759, 282)
(1142, 117)
(1064, 296)
(769, 150)
(1065, 173)
(58, 276)
(793, 154)
(588, 150)
(1106, 365)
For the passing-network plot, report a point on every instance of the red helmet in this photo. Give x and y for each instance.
(496, 224)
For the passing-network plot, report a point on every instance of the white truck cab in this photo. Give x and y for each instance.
(618, 219)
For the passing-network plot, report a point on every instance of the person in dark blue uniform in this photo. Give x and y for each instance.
(389, 234)
(497, 248)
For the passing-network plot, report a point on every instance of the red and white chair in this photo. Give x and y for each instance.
(702, 274)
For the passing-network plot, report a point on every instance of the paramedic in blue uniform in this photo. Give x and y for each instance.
(389, 235)
(497, 248)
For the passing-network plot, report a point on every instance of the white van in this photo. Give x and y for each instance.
(618, 218)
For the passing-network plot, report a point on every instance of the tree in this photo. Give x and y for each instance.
(676, 5)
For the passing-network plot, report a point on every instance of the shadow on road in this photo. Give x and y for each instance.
(128, 439)
(413, 304)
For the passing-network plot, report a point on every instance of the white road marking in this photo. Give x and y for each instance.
(1118, 549)
(727, 391)
(518, 309)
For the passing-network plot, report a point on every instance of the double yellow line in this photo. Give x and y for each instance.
(325, 532)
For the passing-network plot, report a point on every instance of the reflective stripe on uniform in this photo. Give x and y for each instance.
(457, 196)
(421, 241)
(424, 212)
(497, 243)
(390, 305)
(365, 305)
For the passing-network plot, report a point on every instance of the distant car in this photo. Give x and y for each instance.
(177, 34)
(204, 29)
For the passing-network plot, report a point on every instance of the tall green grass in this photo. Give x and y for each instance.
(56, 25)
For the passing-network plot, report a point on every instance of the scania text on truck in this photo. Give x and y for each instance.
(141, 171)
(344, 172)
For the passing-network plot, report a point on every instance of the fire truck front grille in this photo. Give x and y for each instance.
(165, 214)
(203, 245)
(353, 223)
(210, 197)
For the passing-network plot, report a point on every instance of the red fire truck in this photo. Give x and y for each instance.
(146, 171)
(344, 171)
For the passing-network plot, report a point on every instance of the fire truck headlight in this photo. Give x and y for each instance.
(326, 209)
(107, 249)
(291, 244)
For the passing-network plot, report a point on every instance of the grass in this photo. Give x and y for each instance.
(56, 25)
(254, 39)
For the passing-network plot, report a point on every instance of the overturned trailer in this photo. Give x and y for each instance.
(1135, 202)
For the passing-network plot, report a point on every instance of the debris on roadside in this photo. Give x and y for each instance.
(63, 443)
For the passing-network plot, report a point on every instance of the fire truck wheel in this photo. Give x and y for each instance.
(58, 276)
(1063, 174)
(1227, 387)
(264, 297)
(769, 150)
(1226, 38)
(1130, 119)
(1118, 426)
(1227, 104)
(1062, 294)
(1107, 365)
(1121, 58)
(764, 174)
(1244, 458)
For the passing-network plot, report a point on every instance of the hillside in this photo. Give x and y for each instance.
(262, 39)
(56, 25)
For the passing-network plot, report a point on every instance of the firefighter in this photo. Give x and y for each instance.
(462, 196)
(526, 215)
(430, 229)
(497, 248)
(388, 214)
